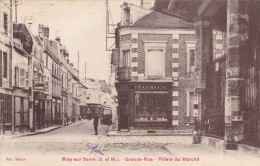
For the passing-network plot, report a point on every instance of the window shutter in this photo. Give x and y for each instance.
(27, 80)
(5, 64)
(1, 77)
(22, 77)
(16, 76)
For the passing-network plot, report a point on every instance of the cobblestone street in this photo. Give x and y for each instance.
(77, 141)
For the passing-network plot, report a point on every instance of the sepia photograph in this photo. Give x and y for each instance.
(129, 82)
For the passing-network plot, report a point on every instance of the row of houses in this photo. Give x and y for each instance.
(38, 83)
(188, 66)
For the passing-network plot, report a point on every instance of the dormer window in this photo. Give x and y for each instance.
(126, 16)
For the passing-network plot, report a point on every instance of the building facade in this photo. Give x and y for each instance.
(23, 44)
(6, 100)
(154, 59)
(228, 85)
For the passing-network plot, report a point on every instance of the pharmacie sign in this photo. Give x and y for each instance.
(145, 86)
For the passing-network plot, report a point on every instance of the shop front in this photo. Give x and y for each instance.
(39, 109)
(144, 105)
(56, 111)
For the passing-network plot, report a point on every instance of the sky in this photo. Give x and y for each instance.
(81, 26)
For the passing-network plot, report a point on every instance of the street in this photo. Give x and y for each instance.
(76, 144)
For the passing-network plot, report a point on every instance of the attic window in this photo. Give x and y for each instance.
(127, 16)
(5, 23)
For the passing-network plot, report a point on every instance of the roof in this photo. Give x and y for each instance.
(160, 20)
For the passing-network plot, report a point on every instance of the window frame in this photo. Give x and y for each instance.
(190, 45)
(155, 45)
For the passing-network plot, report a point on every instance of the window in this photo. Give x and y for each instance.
(5, 23)
(1, 77)
(151, 105)
(191, 60)
(125, 61)
(5, 64)
(27, 80)
(191, 56)
(53, 69)
(22, 77)
(126, 16)
(46, 60)
(154, 63)
(192, 104)
(17, 76)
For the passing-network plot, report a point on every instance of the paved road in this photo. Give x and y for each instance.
(77, 141)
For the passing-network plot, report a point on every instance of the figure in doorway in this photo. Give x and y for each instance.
(95, 122)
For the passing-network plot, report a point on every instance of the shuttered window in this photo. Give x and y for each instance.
(5, 23)
(1, 78)
(22, 77)
(5, 64)
(27, 80)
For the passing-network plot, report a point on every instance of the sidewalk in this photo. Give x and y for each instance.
(113, 131)
(8, 134)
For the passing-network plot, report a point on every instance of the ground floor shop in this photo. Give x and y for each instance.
(5, 112)
(56, 110)
(39, 110)
(144, 105)
(21, 110)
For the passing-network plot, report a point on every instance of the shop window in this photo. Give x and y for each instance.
(5, 64)
(154, 63)
(5, 23)
(151, 106)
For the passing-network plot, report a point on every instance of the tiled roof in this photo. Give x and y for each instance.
(160, 20)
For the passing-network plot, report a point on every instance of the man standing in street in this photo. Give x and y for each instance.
(96, 124)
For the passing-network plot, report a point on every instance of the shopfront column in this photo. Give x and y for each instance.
(237, 36)
(204, 69)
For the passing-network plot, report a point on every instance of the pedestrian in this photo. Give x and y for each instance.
(95, 122)
(67, 119)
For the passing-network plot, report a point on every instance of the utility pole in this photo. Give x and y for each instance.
(85, 74)
(16, 4)
(78, 64)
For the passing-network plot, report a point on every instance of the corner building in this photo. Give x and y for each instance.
(154, 59)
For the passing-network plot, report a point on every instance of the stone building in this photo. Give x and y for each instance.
(6, 99)
(228, 85)
(21, 81)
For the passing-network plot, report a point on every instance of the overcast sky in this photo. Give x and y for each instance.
(81, 26)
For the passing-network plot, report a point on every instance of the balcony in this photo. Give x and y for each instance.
(124, 73)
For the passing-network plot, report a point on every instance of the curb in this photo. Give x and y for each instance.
(38, 132)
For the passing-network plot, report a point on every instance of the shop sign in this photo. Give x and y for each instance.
(150, 87)
(40, 95)
(40, 86)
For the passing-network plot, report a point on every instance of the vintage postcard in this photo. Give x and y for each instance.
(129, 82)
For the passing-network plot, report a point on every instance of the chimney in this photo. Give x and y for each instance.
(40, 31)
(57, 39)
(146, 4)
(141, 3)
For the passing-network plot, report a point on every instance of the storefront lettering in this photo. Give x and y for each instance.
(150, 87)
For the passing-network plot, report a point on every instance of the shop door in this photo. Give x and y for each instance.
(123, 110)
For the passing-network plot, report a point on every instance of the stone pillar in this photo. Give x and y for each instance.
(204, 68)
(237, 36)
